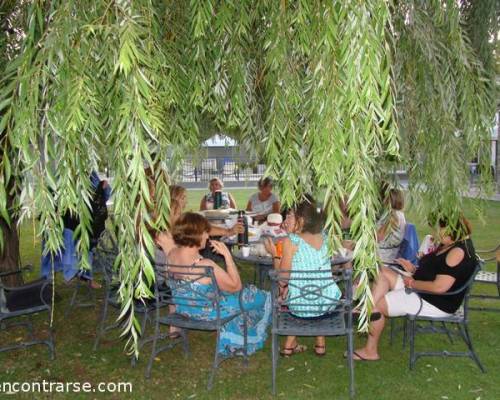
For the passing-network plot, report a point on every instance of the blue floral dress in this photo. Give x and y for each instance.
(256, 302)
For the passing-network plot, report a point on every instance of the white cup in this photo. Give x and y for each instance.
(249, 220)
(231, 221)
(245, 251)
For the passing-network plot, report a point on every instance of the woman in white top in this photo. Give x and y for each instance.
(391, 226)
(265, 201)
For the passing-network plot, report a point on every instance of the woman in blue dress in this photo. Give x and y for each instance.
(190, 235)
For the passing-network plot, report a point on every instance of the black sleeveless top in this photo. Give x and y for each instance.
(435, 264)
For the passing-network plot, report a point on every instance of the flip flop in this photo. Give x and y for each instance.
(319, 354)
(299, 348)
(361, 358)
(174, 335)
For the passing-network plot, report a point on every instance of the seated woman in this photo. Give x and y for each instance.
(444, 270)
(190, 234)
(207, 202)
(265, 201)
(391, 226)
(306, 249)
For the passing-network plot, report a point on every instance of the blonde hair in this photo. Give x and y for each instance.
(396, 199)
(215, 180)
(176, 192)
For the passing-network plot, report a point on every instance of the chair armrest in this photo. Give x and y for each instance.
(27, 267)
(411, 290)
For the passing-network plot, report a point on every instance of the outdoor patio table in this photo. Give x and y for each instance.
(264, 264)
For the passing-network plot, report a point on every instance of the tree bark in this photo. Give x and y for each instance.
(9, 255)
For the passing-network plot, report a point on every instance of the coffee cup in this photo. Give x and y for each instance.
(245, 251)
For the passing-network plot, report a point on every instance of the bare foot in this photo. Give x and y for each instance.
(94, 285)
(365, 355)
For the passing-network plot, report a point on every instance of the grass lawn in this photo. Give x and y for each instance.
(301, 377)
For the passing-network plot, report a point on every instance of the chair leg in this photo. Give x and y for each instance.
(350, 362)
(274, 351)
(245, 340)
(392, 328)
(153, 348)
(412, 327)
(447, 331)
(100, 326)
(185, 342)
(466, 336)
(73, 300)
(215, 364)
(405, 332)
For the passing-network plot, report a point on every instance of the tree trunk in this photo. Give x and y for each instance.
(9, 256)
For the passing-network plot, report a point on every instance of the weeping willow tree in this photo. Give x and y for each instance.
(326, 92)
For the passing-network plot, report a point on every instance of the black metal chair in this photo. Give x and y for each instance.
(180, 280)
(460, 318)
(111, 298)
(336, 322)
(104, 254)
(23, 302)
(488, 277)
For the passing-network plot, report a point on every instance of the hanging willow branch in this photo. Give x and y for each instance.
(314, 87)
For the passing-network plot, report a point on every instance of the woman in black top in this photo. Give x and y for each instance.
(447, 269)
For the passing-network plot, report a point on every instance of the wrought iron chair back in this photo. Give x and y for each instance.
(187, 285)
(488, 257)
(303, 304)
(195, 287)
(308, 293)
(461, 318)
(33, 298)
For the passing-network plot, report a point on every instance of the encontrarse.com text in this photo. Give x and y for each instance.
(65, 387)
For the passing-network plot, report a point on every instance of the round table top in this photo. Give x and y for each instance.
(233, 240)
(266, 260)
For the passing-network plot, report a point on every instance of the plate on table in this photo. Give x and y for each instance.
(216, 214)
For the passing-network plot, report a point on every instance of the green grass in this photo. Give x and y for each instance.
(301, 377)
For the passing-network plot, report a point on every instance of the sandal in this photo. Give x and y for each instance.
(319, 353)
(174, 335)
(290, 351)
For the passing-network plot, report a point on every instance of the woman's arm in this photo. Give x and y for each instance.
(203, 204)
(285, 261)
(229, 280)
(249, 206)
(441, 284)
(165, 241)
(276, 207)
(232, 203)
(218, 231)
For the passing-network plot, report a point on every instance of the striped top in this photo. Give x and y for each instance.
(311, 298)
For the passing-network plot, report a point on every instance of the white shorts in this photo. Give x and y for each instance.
(400, 303)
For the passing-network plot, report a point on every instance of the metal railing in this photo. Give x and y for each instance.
(226, 168)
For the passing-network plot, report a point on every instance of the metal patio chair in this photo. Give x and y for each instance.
(460, 318)
(103, 254)
(182, 293)
(489, 257)
(111, 298)
(21, 303)
(337, 322)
